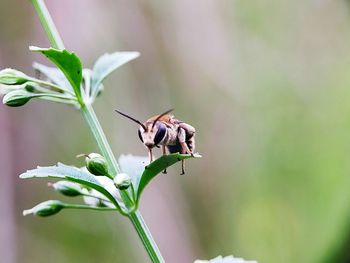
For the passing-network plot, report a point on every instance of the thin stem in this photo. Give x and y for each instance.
(106, 151)
(43, 90)
(94, 196)
(48, 24)
(58, 100)
(146, 237)
(49, 84)
(89, 207)
(101, 139)
(52, 95)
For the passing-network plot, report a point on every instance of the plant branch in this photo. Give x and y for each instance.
(48, 24)
(97, 197)
(74, 206)
(101, 139)
(146, 237)
(53, 86)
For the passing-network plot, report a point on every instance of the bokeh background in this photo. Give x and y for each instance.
(266, 83)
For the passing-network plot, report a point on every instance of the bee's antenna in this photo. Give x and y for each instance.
(160, 116)
(131, 118)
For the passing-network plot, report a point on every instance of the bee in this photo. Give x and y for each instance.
(166, 132)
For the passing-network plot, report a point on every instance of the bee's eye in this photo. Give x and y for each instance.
(160, 133)
(139, 133)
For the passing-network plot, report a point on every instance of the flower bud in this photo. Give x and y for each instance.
(46, 208)
(122, 181)
(67, 188)
(30, 86)
(16, 98)
(96, 164)
(10, 76)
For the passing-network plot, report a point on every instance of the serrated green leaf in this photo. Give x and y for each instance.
(142, 174)
(106, 64)
(69, 173)
(68, 63)
(53, 74)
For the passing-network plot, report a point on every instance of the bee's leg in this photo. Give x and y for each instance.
(188, 128)
(191, 144)
(164, 153)
(150, 155)
(184, 147)
(189, 132)
(182, 140)
(163, 149)
(182, 167)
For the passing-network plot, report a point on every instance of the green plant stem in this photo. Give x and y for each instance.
(60, 100)
(101, 139)
(53, 86)
(89, 207)
(48, 24)
(99, 198)
(146, 237)
(135, 216)
(96, 129)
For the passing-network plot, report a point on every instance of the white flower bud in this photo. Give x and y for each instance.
(122, 181)
(96, 164)
(67, 188)
(11, 76)
(16, 98)
(46, 208)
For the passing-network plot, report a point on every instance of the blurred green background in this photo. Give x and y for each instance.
(266, 83)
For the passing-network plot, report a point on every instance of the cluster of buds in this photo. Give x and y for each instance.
(15, 85)
(20, 88)
(97, 165)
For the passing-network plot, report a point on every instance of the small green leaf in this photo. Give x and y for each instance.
(68, 63)
(69, 173)
(106, 64)
(142, 174)
(53, 74)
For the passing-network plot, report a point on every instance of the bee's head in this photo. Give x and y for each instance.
(150, 133)
(153, 134)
